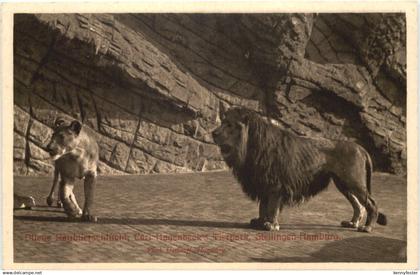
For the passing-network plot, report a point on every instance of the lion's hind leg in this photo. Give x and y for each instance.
(358, 212)
(358, 208)
(372, 215)
(363, 198)
(89, 188)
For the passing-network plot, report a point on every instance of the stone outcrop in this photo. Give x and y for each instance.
(152, 86)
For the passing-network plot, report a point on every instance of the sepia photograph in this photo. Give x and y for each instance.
(210, 137)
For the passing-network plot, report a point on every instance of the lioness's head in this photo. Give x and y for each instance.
(64, 138)
(232, 135)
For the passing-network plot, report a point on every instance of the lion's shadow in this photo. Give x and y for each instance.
(179, 222)
(39, 208)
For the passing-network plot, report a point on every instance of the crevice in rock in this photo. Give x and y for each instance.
(132, 142)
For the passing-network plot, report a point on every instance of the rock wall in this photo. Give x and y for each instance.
(152, 86)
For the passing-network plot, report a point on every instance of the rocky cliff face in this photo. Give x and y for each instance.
(151, 86)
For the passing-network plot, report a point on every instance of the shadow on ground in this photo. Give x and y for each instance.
(141, 221)
(360, 249)
(175, 222)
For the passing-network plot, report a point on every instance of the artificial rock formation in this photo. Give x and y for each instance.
(152, 86)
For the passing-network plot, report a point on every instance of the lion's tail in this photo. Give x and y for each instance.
(382, 220)
(369, 169)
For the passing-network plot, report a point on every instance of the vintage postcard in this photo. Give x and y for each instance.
(210, 135)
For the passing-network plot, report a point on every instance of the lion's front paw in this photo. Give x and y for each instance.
(366, 229)
(71, 209)
(75, 214)
(50, 200)
(59, 204)
(349, 224)
(89, 218)
(271, 226)
(257, 223)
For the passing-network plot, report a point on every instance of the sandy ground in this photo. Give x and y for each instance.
(202, 218)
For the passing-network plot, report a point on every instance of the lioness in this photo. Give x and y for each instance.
(76, 155)
(278, 168)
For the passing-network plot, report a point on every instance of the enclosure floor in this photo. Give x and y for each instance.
(143, 211)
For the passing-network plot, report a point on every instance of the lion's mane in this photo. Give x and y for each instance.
(269, 159)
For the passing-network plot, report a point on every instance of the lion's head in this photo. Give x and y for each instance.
(232, 135)
(64, 138)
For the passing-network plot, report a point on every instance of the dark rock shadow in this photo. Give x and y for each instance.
(360, 249)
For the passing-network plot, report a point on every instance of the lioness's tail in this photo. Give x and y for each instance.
(382, 220)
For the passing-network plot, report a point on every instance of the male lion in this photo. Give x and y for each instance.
(76, 155)
(278, 168)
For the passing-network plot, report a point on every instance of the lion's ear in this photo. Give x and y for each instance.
(75, 126)
(245, 115)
